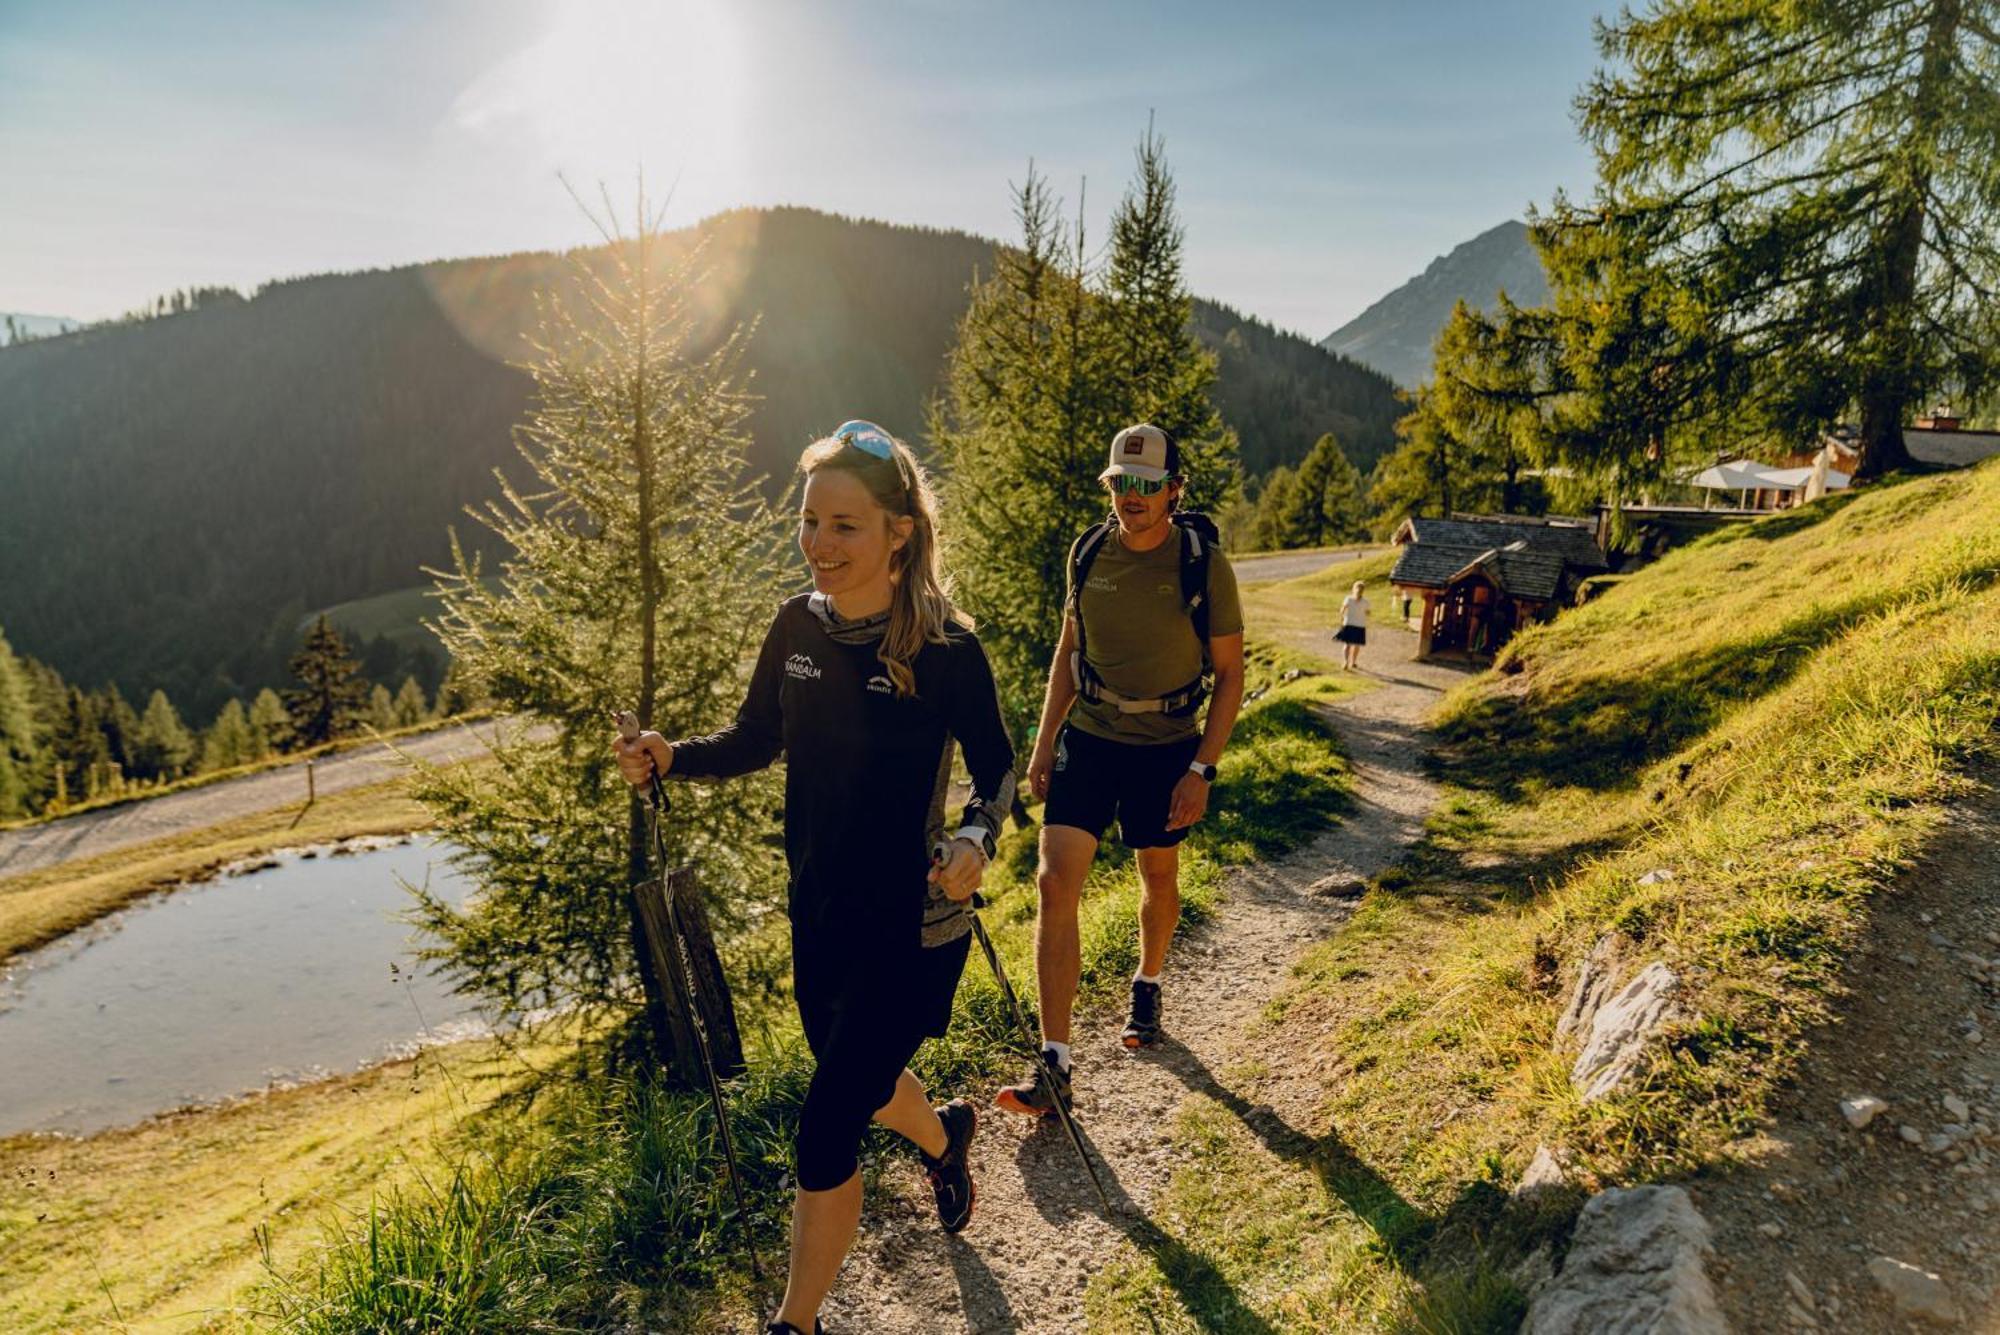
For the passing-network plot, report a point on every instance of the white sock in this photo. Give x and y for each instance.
(1152, 978)
(1061, 1050)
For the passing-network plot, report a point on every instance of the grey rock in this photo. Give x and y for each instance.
(1635, 1267)
(1862, 1110)
(1800, 1291)
(1657, 876)
(1545, 1172)
(1959, 1109)
(1620, 1028)
(1593, 985)
(1915, 1292)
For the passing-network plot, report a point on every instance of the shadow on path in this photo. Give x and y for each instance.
(1205, 1292)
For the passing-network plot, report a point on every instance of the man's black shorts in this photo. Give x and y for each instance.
(1096, 780)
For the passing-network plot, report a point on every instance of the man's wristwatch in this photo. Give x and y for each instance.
(1206, 771)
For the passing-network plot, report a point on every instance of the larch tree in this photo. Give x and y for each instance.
(1806, 190)
(640, 569)
(270, 725)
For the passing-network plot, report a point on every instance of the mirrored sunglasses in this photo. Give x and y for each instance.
(1124, 484)
(866, 437)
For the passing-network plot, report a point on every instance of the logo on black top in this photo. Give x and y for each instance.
(802, 667)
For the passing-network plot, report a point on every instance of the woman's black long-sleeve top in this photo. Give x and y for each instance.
(866, 772)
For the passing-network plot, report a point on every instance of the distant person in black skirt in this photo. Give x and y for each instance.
(862, 685)
(1353, 632)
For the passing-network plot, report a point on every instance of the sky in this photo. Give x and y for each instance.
(1324, 152)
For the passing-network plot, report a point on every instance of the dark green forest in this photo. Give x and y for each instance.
(178, 494)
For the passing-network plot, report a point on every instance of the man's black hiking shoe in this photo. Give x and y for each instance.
(1034, 1097)
(1143, 1029)
(950, 1173)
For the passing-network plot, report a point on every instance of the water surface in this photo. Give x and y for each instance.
(217, 989)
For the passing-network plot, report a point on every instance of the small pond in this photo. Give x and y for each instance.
(290, 972)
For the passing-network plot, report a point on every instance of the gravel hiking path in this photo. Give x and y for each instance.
(1039, 1233)
(91, 833)
(1813, 1201)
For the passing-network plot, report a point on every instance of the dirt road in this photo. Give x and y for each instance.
(91, 833)
(1274, 566)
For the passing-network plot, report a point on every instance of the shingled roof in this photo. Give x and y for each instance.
(1575, 544)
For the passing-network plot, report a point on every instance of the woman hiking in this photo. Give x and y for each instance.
(1353, 632)
(862, 685)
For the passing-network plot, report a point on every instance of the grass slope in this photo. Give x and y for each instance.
(1772, 716)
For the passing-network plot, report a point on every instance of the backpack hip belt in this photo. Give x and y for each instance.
(1091, 687)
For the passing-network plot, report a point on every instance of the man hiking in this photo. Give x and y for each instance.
(1150, 617)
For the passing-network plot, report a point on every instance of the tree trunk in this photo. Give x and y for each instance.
(670, 1027)
(1890, 384)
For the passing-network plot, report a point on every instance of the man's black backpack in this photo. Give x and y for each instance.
(1198, 539)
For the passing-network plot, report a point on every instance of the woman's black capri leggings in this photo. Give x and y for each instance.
(863, 1024)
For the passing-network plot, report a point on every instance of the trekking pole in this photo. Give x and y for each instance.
(684, 980)
(1063, 1113)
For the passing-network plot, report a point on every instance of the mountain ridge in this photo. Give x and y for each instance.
(1394, 335)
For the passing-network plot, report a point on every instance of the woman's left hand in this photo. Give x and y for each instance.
(961, 873)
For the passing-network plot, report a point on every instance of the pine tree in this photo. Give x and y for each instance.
(1321, 502)
(381, 708)
(1418, 476)
(119, 724)
(1050, 361)
(1167, 376)
(1270, 530)
(164, 746)
(1031, 403)
(1807, 190)
(230, 740)
(83, 759)
(330, 700)
(21, 751)
(270, 725)
(409, 708)
(642, 569)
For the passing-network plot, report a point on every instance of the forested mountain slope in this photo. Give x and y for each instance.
(176, 493)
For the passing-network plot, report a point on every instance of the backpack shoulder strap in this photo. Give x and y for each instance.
(1197, 535)
(1081, 554)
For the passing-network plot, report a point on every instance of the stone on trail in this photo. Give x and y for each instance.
(1657, 876)
(1635, 1265)
(1916, 1292)
(1619, 1030)
(1545, 1173)
(1859, 1112)
(1593, 985)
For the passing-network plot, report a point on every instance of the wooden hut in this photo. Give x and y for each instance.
(1483, 577)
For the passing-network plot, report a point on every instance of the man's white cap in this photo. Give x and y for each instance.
(1143, 451)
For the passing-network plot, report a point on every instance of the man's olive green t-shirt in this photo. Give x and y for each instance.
(1140, 638)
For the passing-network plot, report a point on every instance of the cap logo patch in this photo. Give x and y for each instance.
(1135, 445)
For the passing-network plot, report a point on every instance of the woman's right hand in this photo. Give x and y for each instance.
(1041, 765)
(641, 757)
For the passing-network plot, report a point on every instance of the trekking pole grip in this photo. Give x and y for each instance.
(628, 728)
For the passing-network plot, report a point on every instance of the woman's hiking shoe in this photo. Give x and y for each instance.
(1035, 1097)
(787, 1328)
(950, 1173)
(1143, 1029)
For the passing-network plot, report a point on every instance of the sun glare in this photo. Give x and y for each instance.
(614, 85)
